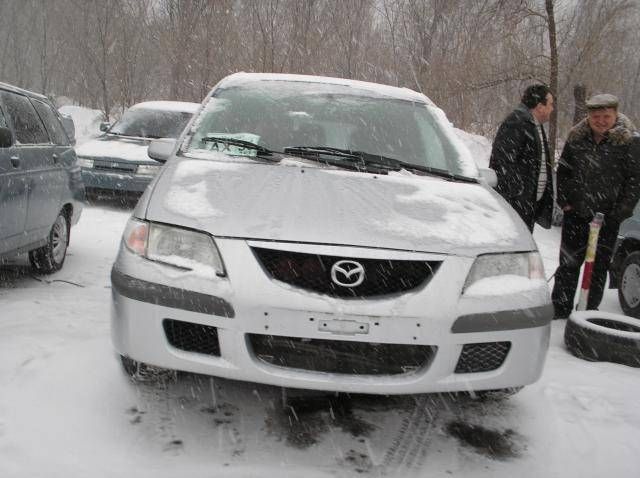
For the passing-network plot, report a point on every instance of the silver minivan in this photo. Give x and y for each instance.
(41, 190)
(328, 234)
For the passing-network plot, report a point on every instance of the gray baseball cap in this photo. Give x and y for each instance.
(602, 101)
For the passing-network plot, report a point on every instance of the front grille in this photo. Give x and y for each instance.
(341, 357)
(482, 357)
(313, 272)
(115, 166)
(201, 339)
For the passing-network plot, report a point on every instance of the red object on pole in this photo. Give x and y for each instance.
(590, 257)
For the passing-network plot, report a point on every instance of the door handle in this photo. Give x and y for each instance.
(15, 161)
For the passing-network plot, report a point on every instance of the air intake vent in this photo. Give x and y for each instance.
(201, 339)
(482, 357)
(335, 356)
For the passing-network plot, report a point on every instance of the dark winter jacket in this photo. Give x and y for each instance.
(515, 157)
(602, 177)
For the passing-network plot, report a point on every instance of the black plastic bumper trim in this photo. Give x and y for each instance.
(504, 320)
(167, 296)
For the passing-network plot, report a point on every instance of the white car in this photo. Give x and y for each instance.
(328, 234)
(116, 163)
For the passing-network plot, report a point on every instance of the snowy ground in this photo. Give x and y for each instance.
(67, 410)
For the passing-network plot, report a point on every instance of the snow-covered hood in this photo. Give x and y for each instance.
(116, 148)
(298, 202)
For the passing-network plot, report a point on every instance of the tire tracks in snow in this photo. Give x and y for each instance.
(408, 449)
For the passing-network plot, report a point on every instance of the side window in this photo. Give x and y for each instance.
(26, 122)
(51, 122)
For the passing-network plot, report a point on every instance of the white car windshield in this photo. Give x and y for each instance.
(151, 123)
(283, 114)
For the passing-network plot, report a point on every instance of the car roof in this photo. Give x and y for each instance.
(380, 89)
(183, 106)
(15, 89)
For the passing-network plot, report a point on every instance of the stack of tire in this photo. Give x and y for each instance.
(604, 337)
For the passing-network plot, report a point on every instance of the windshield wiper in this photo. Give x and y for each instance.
(260, 150)
(442, 173)
(342, 158)
(375, 160)
(322, 150)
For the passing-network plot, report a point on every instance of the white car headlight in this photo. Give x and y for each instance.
(527, 264)
(175, 246)
(148, 169)
(85, 162)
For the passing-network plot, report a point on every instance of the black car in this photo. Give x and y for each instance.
(625, 265)
(41, 189)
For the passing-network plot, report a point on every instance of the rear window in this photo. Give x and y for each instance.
(51, 123)
(26, 122)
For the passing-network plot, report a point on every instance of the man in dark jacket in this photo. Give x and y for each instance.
(599, 171)
(520, 158)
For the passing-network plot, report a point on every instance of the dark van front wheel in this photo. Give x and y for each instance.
(50, 257)
(629, 288)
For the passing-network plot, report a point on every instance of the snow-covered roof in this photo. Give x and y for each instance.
(384, 90)
(8, 87)
(183, 106)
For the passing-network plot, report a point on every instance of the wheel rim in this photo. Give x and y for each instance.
(59, 237)
(630, 285)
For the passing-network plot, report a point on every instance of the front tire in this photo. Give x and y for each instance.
(50, 257)
(629, 288)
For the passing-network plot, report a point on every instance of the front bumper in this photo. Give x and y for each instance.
(114, 181)
(147, 296)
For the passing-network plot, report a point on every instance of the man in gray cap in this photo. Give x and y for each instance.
(599, 171)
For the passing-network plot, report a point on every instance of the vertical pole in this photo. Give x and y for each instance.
(594, 232)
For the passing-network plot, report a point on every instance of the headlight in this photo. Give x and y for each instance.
(148, 169)
(528, 264)
(175, 246)
(85, 163)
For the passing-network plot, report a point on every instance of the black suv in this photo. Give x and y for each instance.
(625, 265)
(41, 190)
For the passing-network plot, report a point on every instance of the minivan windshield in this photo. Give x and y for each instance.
(279, 114)
(151, 123)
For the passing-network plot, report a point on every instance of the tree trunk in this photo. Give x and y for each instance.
(580, 100)
(553, 77)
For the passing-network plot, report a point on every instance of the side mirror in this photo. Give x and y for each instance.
(161, 149)
(69, 127)
(6, 138)
(104, 126)
(488, 176)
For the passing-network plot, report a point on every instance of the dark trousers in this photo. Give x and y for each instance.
(573, 247)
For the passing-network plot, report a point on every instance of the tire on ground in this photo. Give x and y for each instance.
(629, 286)
(50, 257)
(603, 337)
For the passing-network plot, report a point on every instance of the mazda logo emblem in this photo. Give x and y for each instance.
(347, 273)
